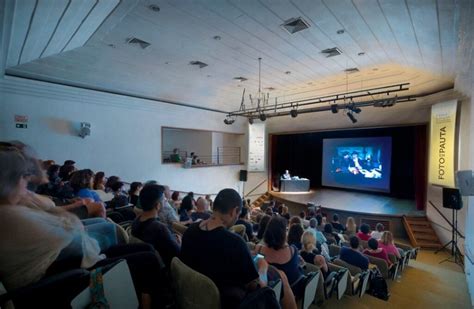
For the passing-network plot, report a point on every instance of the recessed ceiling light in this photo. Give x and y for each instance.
(340, 31)
(217, 37)
(240, 78)
(294, 25)
(361, 54)
(137, 41)
(154, 7)
(351, 70)
(288, 72)
(200, 64)
(331, 52)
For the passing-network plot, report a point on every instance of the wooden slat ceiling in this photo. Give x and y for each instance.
(85, 43)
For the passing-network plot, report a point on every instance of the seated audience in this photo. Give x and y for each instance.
(262, 226)
(134, 192)
(148, 228)
(295, 220)
(81, 183)
(332, 238)
(119, 199)
(320, 225)
(279, 253)
(209, 200)
(111, 180)
(294, 235)
(351, 227)
(211, 249)
(175, 157)
(336, 224)
(167, 213)
(185, 210)
(387, 243)
(285, 212)
(54, 182)
(374, 250)
(175, 200)
(244, 220)
(202, 210)
(311, 254)
(99, 181)
(317, 234)
(377, 234)
(66, 170)
(353, 256)
(364, 233)
(56, 240)
(303, 220)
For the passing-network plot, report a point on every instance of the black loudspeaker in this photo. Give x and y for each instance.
(243, 175)
(452, 198)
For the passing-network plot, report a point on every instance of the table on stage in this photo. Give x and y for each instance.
(294, 185)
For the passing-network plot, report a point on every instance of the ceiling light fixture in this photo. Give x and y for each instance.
(154, 7)
(200, 64)
(334, 108)
(351, 117)
(229, 119)
(340, 31)
(294, 25)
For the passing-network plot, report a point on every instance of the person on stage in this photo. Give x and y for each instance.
(287, 175)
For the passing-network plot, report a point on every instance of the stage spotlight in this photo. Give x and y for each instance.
(294, 113)
(334, 108)
(251, 120)
(262, 117)
(229, 120)
(351, 117)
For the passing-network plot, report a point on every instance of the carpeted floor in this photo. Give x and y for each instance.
(424, 284)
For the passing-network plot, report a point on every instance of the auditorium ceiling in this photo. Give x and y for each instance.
(145, 48)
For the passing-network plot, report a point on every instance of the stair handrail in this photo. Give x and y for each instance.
(255, 188)
(446, 219)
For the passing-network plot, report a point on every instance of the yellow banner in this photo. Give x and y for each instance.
(442, 144)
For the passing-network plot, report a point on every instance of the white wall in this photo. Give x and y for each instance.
(125, 138)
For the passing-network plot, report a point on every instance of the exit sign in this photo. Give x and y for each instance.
(21, 126)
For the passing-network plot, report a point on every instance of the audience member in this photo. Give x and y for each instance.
(81, 183)
(332, 238)
(134, 192)
(244, 220)
(351, 227)
(66, 170)
(54, 182)
(303, 220)
(377, 234)
(387, 243)
(336, 224)
(364, 233)
(374, 250)
(294, 235)
(185, 210)
(319, 226)
(167, 213)
(209, 200)
(209, 248)
(175, 200)
(262, 226)
(99, 181)
(311, 254)
(148, 228)
(202, 210)
(295, 220)
(353, 256)
(110, 181)
(175, 157)
(285, 212)
(317, 234)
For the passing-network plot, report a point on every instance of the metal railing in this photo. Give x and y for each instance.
(222, 156)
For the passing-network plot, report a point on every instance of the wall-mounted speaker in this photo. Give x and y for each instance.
(243, 175)
(452, 198)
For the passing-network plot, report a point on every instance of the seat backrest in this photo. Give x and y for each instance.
(334, 250)
(193, 290)
(381, 265)
(179, 228)
(310, 289)
(352, 269)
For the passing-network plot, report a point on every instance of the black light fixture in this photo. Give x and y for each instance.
(334, 108)
(351, 117)
(262, 117)
(294, 113)
(229, 119)
(250, 120)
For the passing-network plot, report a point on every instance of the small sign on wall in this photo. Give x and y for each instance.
(21, 121)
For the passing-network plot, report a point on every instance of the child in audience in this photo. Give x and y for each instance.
(294, 235)
(99, 181)
(311, 254)
(364, 233)
(374, 250)
(377, 234)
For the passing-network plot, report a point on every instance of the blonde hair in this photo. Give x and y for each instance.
(387, 238)
(351, 225)
(308, 241)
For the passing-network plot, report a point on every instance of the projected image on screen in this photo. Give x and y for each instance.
(357, 163)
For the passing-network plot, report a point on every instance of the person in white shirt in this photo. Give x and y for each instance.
(286, 175)
(377, 234)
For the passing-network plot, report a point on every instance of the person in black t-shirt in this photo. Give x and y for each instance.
(149, 229)
(243, 219)
(337, 225)
(209, 248)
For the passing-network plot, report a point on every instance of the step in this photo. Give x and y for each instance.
(425, 236)
(423, 229)
(419, 223)
(416, 218)
(429, 245)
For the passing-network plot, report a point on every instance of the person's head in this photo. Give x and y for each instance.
(191, 194)
(284, 209)
(99, 179)
(227, 205)
(14, 175)
(319, 218)
(81, 179)
(202, 205)
(387, 238)
(379, 227)
(294, 234)
(302, 215)
(47, 164)
(350, 224)
(176, 151)
(365, 228)
(335, 218)
(151, 197)
(269, 211)
(373, 244)
(275, 233)
(175, 196)
(262, 225)
(308, 241)
(186, 205)
(354, 242)
(111, 180)
(295, 220)
(65, 172)
(313, 223)
(69, 162)
(135, 188)
(117, 187)
(287, 172)
(243, 213)
(53, 171)
(328, 228)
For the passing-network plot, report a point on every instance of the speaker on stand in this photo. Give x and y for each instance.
(452, 200)
(243, 178)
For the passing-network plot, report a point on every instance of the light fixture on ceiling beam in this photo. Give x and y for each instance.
(351, 117)
(229, 119)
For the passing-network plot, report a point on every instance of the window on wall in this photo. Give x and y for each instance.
(200, 148)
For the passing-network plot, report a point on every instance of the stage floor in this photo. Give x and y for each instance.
(356, 202)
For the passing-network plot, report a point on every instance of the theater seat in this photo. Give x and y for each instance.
(189, 284)
(386, 271)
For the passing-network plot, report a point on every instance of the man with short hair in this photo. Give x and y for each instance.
(336, 224)
(149, 229)
(353, 256)
(211, 249)
(244, 220)
(167, 213)
(202, 210)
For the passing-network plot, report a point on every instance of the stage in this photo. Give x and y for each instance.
(364, 207)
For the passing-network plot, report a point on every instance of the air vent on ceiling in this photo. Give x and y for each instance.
(294, 25)
(199, 63)
(240, 79)
(331, 52)
(136, 41)
(351, 70)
